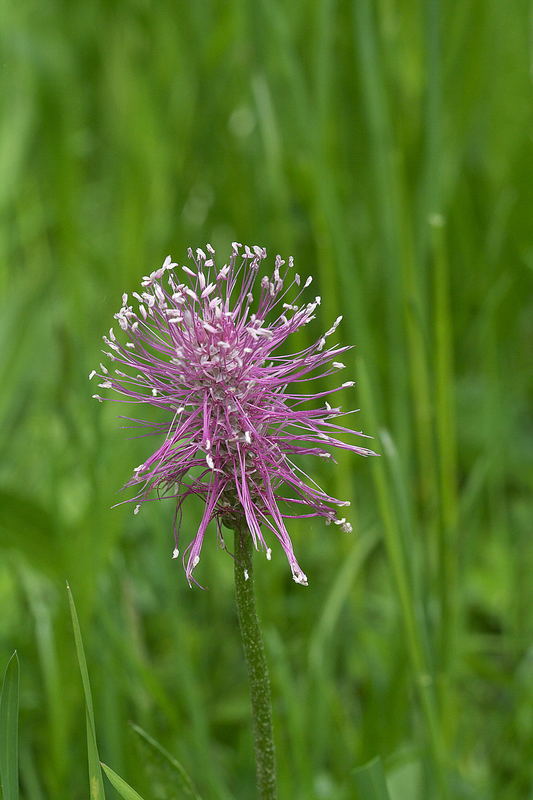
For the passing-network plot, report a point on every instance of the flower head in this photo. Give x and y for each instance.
(203, 346)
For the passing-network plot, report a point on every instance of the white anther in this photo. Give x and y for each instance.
(175, 553)
(347, 528)
(246, 576)
(247, 437)
(196, 561)
(339, 365)
(299, 577)
(155, 392)
(348, 385)
(210, 462)
(308, 282)
(97, 397)
(160, 295)
(334, 326)
(130, 344)
(136, 509)
(92, 374)
(103, 368)
(208, 290)
(269, 554)
(297, 279)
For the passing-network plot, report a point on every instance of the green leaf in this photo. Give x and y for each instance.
(405, 778)
(187, 785)
(96, 782)
(370, 781)
(123, 788)
(9, 706)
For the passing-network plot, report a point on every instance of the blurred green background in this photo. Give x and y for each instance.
(387, 146)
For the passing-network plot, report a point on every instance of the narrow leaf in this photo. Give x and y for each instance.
(96, 782)
(9, 707)
(123, 788)
(370, 781)
(187, 785)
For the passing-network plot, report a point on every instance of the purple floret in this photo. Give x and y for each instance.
(205, 351)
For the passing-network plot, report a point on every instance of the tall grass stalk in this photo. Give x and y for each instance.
(411, 612)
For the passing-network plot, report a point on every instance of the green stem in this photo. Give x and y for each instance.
(254, 653)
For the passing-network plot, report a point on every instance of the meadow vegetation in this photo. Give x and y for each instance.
(387, 146)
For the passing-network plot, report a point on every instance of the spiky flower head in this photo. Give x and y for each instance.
(203, 345)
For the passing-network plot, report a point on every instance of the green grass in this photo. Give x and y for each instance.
(9, 757)
(387, 146)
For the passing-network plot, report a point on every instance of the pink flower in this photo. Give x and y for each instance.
(203, 346)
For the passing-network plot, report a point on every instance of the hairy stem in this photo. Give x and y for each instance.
(254, 653)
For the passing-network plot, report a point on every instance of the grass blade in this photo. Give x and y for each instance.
(118, 783)
(187, 785)
(370, 781)
(95, 772)
(9, 707)
(337, 597)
